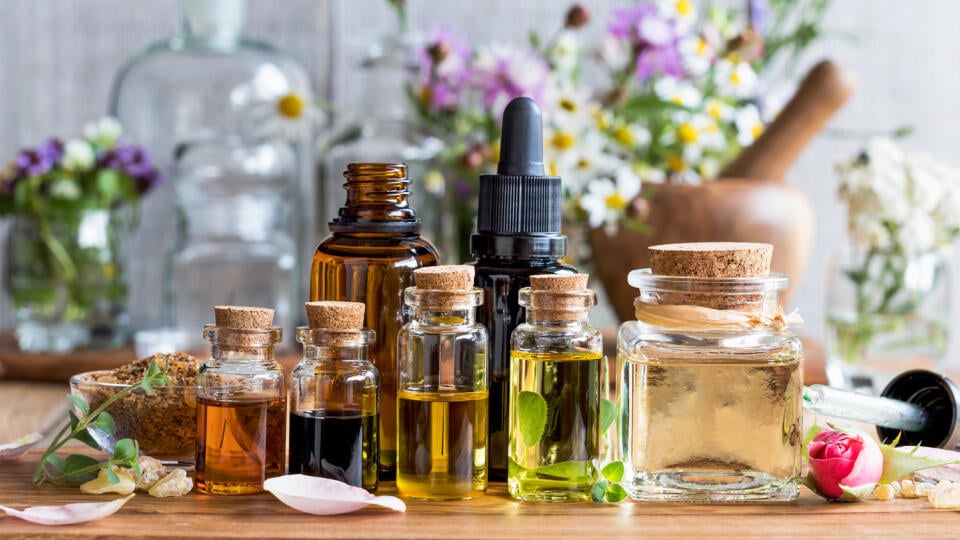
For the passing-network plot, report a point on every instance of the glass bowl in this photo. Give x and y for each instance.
(164, 424)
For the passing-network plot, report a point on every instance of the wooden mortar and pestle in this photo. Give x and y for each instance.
(749, 202)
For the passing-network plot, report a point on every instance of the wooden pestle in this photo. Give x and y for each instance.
(821, 94)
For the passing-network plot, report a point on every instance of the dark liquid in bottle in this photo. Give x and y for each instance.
(340, 445)
(240, 444)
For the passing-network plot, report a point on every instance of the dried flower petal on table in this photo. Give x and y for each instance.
(945, 495)
(322, 496)
(174, 484)
(101, 484)
(151, 470)
(67, 514)
(16, 449)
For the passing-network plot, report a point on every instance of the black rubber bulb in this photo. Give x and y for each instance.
(521, 145)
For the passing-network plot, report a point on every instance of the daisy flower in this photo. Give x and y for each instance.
(606, 200)
(749, 124)
(735, 78)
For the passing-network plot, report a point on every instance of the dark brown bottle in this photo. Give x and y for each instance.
(369, 257)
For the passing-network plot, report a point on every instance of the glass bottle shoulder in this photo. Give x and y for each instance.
(376, 248)
(351, 372)
(543, 338)
(635, 337)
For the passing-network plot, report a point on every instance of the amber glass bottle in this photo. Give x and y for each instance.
(369, 257)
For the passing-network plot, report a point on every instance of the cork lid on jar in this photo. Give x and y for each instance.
(559, 297)
(335, 323)
(244, 328)
(444, 287)
(711, 259)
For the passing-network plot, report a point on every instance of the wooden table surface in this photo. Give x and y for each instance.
(493, 516)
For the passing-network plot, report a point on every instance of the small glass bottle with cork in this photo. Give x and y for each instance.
(709, 380)
(241, 404)
(442, 398)
(556, 372)
(334, 397)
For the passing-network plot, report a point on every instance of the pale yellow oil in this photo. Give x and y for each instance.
(709, 427)
(441, 444)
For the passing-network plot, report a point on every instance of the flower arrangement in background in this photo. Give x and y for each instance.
(681, 91)
(889, 298)
(72, 214)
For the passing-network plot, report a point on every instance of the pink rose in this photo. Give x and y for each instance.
(843, 459)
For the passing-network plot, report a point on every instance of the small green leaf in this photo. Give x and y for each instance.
(616, 493)
(856, 494)
(105, 423)
(613, 471)
(55, 462)
(608, 413)
(125, 449)
(532, 415)
(566, 470)
(112, 475)
(79, 468)
(809, 436)
(598, 491)
(79, 403)
(898, 463)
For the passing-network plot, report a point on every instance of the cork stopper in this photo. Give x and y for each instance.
(335, 315)
(560, 297)
(445, 287)
(243, 318)
(248, 320)
(448, 277)
(711, 259)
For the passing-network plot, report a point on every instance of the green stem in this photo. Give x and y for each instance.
(58, 251)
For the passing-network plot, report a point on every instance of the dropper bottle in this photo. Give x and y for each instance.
(518, 235)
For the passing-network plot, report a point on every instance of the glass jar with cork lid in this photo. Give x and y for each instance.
(334, 397)
(443, 387)
(709, 381)
(241, 404)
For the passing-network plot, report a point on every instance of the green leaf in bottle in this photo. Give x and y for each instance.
(608, 414)
(532, 416)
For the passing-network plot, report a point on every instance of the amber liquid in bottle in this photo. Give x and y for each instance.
(241, 444)
(370, 257)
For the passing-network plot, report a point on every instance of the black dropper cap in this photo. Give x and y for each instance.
(519, 210)
(939, 397)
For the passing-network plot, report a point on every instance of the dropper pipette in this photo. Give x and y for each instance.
(879, 411)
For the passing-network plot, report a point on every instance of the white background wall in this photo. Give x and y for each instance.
(57, 58)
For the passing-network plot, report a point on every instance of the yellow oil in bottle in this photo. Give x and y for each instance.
(442, 444)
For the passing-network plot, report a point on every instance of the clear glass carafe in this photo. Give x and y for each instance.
(237, 244)
(334, 407)
(709, 394)
(241, 412)
(206, 82)
(442, 397)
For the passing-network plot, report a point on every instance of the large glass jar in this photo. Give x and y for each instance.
(206, 82)
(237, 245)
(709, 390)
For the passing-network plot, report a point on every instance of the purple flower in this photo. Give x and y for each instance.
(654, 39)
(39, 160)
(133, 161)
(758, 11)
(502, 73)
(444, 70)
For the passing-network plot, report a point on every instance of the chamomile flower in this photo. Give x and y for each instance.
(78, 155)
(696, 133)
(677, 91)
(749, 124)
(564, 55)
(684, 12)
(614, 52)
(697, 55)
(734, 78)
(679, 169)
(605, 200)
(631, 136)
(718, 110)
(289, 116)
(584, 162)
(104, 133)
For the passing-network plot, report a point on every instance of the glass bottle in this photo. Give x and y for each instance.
(442, 398)
(369, 257)
(237, 245)
(334, 398)
(241, 404)
(709, 411)
(556, 373)
(518, 235)
(207, 82)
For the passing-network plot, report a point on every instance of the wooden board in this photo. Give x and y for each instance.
(493, 516)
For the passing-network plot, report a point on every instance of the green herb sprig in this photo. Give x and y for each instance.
(78, 468)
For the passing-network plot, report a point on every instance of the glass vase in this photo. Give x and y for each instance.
(887, 312)
(67, 280)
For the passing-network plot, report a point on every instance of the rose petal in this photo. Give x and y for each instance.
(68, 514)
(323, 496)
(868, 467)
(19, 447)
